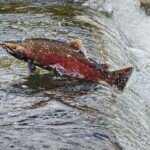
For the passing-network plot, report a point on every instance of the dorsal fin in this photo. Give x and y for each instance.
(76, 44)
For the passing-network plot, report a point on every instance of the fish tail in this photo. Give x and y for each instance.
(121, 77)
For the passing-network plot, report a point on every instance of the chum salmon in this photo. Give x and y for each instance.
(66, 59)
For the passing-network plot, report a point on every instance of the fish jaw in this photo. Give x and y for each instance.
(18, 51)
(15, 50)
(9, 49)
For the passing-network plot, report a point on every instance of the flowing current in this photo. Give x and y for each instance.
(57, 113)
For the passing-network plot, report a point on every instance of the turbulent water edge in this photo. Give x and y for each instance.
(46, 112)
(128, 41)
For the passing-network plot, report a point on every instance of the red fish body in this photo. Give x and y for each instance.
(66, 59)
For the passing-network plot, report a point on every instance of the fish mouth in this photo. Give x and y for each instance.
(13, 51)
(8, 49)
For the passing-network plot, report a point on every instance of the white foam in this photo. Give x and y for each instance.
(61, 70)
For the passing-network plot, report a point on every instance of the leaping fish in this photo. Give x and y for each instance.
(66, 59)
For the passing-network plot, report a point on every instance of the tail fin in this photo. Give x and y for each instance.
(121, 77)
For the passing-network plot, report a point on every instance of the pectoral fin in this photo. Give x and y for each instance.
(31, 67)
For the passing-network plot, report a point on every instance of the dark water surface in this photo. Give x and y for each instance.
(58, 113)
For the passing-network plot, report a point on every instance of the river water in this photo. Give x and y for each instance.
(45, 112)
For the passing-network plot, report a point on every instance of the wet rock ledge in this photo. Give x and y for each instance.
(145, 4)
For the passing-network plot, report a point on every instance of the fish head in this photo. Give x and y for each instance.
(14, 49)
